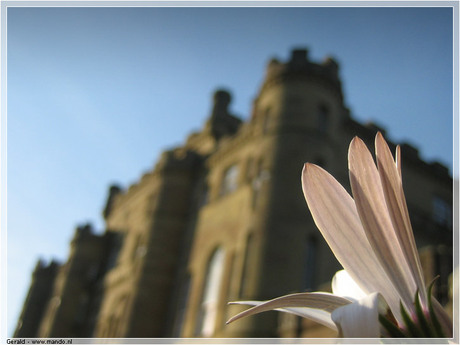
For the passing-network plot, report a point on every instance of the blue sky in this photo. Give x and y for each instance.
(95, 94)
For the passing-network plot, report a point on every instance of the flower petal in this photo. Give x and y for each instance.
(335, 215)
(317, 315)
(397, 209)
(398, 160)
(320, 316)
(361, 318)
(302, 304)
(343, 285)
(372, 209)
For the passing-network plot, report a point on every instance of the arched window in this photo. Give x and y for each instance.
(115, 246)
(139, 249)
(261, 176)
(209, 302)
(230, 180)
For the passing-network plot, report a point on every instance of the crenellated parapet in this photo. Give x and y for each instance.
(177, 159)
(85, 236)
(43, 266)
(299, 67)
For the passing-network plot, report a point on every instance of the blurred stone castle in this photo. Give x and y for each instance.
(223, 218)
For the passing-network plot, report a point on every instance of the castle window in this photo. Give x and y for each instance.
(442, 212)
(230, 180)
(139, 248)
(323, 118)
(262, 175)
(208, 309)
(114, 250)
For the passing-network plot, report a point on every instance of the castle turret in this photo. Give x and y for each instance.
(219, 125)
(299, 66)
(221, 122)
(300, 93)
(113, 192)
(297, 114)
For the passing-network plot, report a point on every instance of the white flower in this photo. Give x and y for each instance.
(371, 236)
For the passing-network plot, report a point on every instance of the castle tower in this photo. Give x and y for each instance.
(69, 311)
(39, 294)
(255, 230)
(301, 113)
(150, 218)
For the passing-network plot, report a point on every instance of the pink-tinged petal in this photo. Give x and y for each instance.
(397, 209)
(398, 160)
(335, 215)
(321, 316)
(372, 209)
(343, 285)
(361, 318)
(323, 301)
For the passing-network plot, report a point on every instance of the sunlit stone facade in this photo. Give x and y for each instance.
(223, 218)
